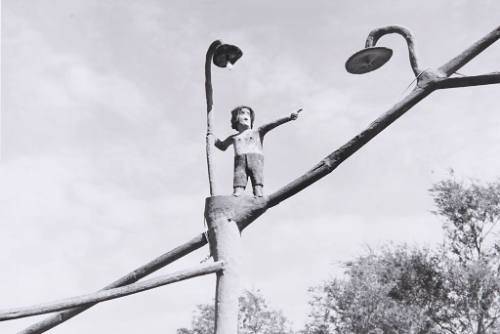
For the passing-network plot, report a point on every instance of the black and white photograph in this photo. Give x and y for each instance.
(250, 167)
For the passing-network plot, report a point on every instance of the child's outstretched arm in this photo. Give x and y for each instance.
(223, 144)
(268, 127)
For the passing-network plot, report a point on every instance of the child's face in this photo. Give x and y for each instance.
(243, 117)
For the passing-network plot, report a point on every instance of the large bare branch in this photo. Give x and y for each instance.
(104, 295)
(131, 277)
(472, 80)
(428, 81)
(463, 58)
(332, 161)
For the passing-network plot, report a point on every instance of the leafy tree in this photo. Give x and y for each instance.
(454, 289)
(202, 322)
(389, 291)
(255, 317)
(471, 211)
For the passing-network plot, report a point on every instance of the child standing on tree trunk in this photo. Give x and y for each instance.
(248, 148)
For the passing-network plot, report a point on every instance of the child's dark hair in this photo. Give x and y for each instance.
(234, 114)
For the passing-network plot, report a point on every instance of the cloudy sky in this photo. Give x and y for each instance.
(103, 163)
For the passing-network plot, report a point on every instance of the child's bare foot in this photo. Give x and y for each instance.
(257, 191)
(238, 191)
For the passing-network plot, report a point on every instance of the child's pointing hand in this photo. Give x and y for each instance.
(295, 115)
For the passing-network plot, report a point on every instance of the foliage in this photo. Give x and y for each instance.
(255, 317)
(454, 289)
(202, 322)
(391, 291)
(471, 213)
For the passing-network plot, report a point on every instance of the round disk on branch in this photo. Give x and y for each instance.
(367, 60)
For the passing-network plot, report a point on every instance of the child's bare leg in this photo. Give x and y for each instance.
(238, 191)
(258, 190)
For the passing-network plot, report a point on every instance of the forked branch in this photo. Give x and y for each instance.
(429, 82)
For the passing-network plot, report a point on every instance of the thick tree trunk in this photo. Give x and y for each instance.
(225, 245)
